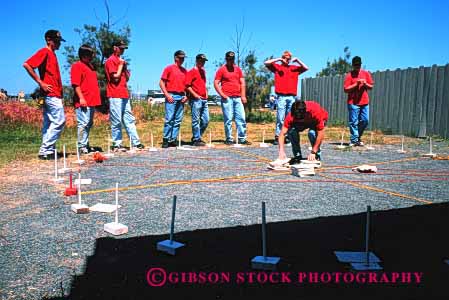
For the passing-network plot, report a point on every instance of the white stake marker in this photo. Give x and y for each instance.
(57, 179)
(152, 148)
(370, 147)
(115, 227)
(263, 144)
(341, 146)
(109, 154)
(402, 146)
(65, 169)
(78, 161)
(430, 154)
(210, 140)
(79, 208)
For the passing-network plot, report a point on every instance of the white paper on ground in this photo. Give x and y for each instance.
(365, 169)
(84, 181)
(105, 208)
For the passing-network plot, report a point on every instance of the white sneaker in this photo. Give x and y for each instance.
(279, 162)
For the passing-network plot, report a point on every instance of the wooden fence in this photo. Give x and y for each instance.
(413, 101)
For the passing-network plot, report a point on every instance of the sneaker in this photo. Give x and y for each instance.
(174, 143)
(83, 150)
(295, 160)
(229, 142)
(165, 143)
(94, 149)
(361, 144)
(140, 146)
(46, 156)
(199, 143)
(118, 148)
(276, 140)
(246, 142)
(351, 144)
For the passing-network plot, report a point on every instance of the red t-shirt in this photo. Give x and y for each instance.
(47, 63)
(196, 79)
(116, 89)
(315, 117)
(286, 78)
(174, 78)
(85, 76)
(230, 80)
(358, 96)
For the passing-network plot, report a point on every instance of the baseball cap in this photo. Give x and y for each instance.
(357, 60)
(180, 53)
(53, 34)
(120, 44)
(230, 54)
(201, 56)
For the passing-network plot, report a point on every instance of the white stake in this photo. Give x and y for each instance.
(56, 165)
(430, 141)
(63, 150)
(402, 146)
(79, 188)
(210, 140)
(341, 146)
(179, 138)
(263, 144)
(109, 154)
(78, 161)
(57, 179)
(430, 154)
(79, 208)
(152, 140)
(152, 148)
(370, 147)
(116, 202)
(116, 228)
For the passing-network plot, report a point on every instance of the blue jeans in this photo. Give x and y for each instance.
(293, 134)
(120, 111)
(233, 109)
(284, 104)
(358, 120)
(53, 124)
(200, 118)
(174, 113)
(84, 120)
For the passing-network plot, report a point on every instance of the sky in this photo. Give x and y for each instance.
(386, 34)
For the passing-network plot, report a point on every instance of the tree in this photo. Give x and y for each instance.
(239, 46)
(101, 38)
(339, 66)
(258, 81)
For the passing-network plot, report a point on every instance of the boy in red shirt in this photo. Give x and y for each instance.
(87, 95)
(49, 80)
(230, 85)
(117, 76)
(197, 91)
(356, 85)
(303, 115)
(173, 86)
(285, 85)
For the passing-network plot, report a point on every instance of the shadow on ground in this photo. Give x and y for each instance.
(412, 239)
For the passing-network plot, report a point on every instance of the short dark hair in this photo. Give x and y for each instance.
(85, 51)
(299, 109)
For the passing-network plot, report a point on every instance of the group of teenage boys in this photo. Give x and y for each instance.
(181, 86)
